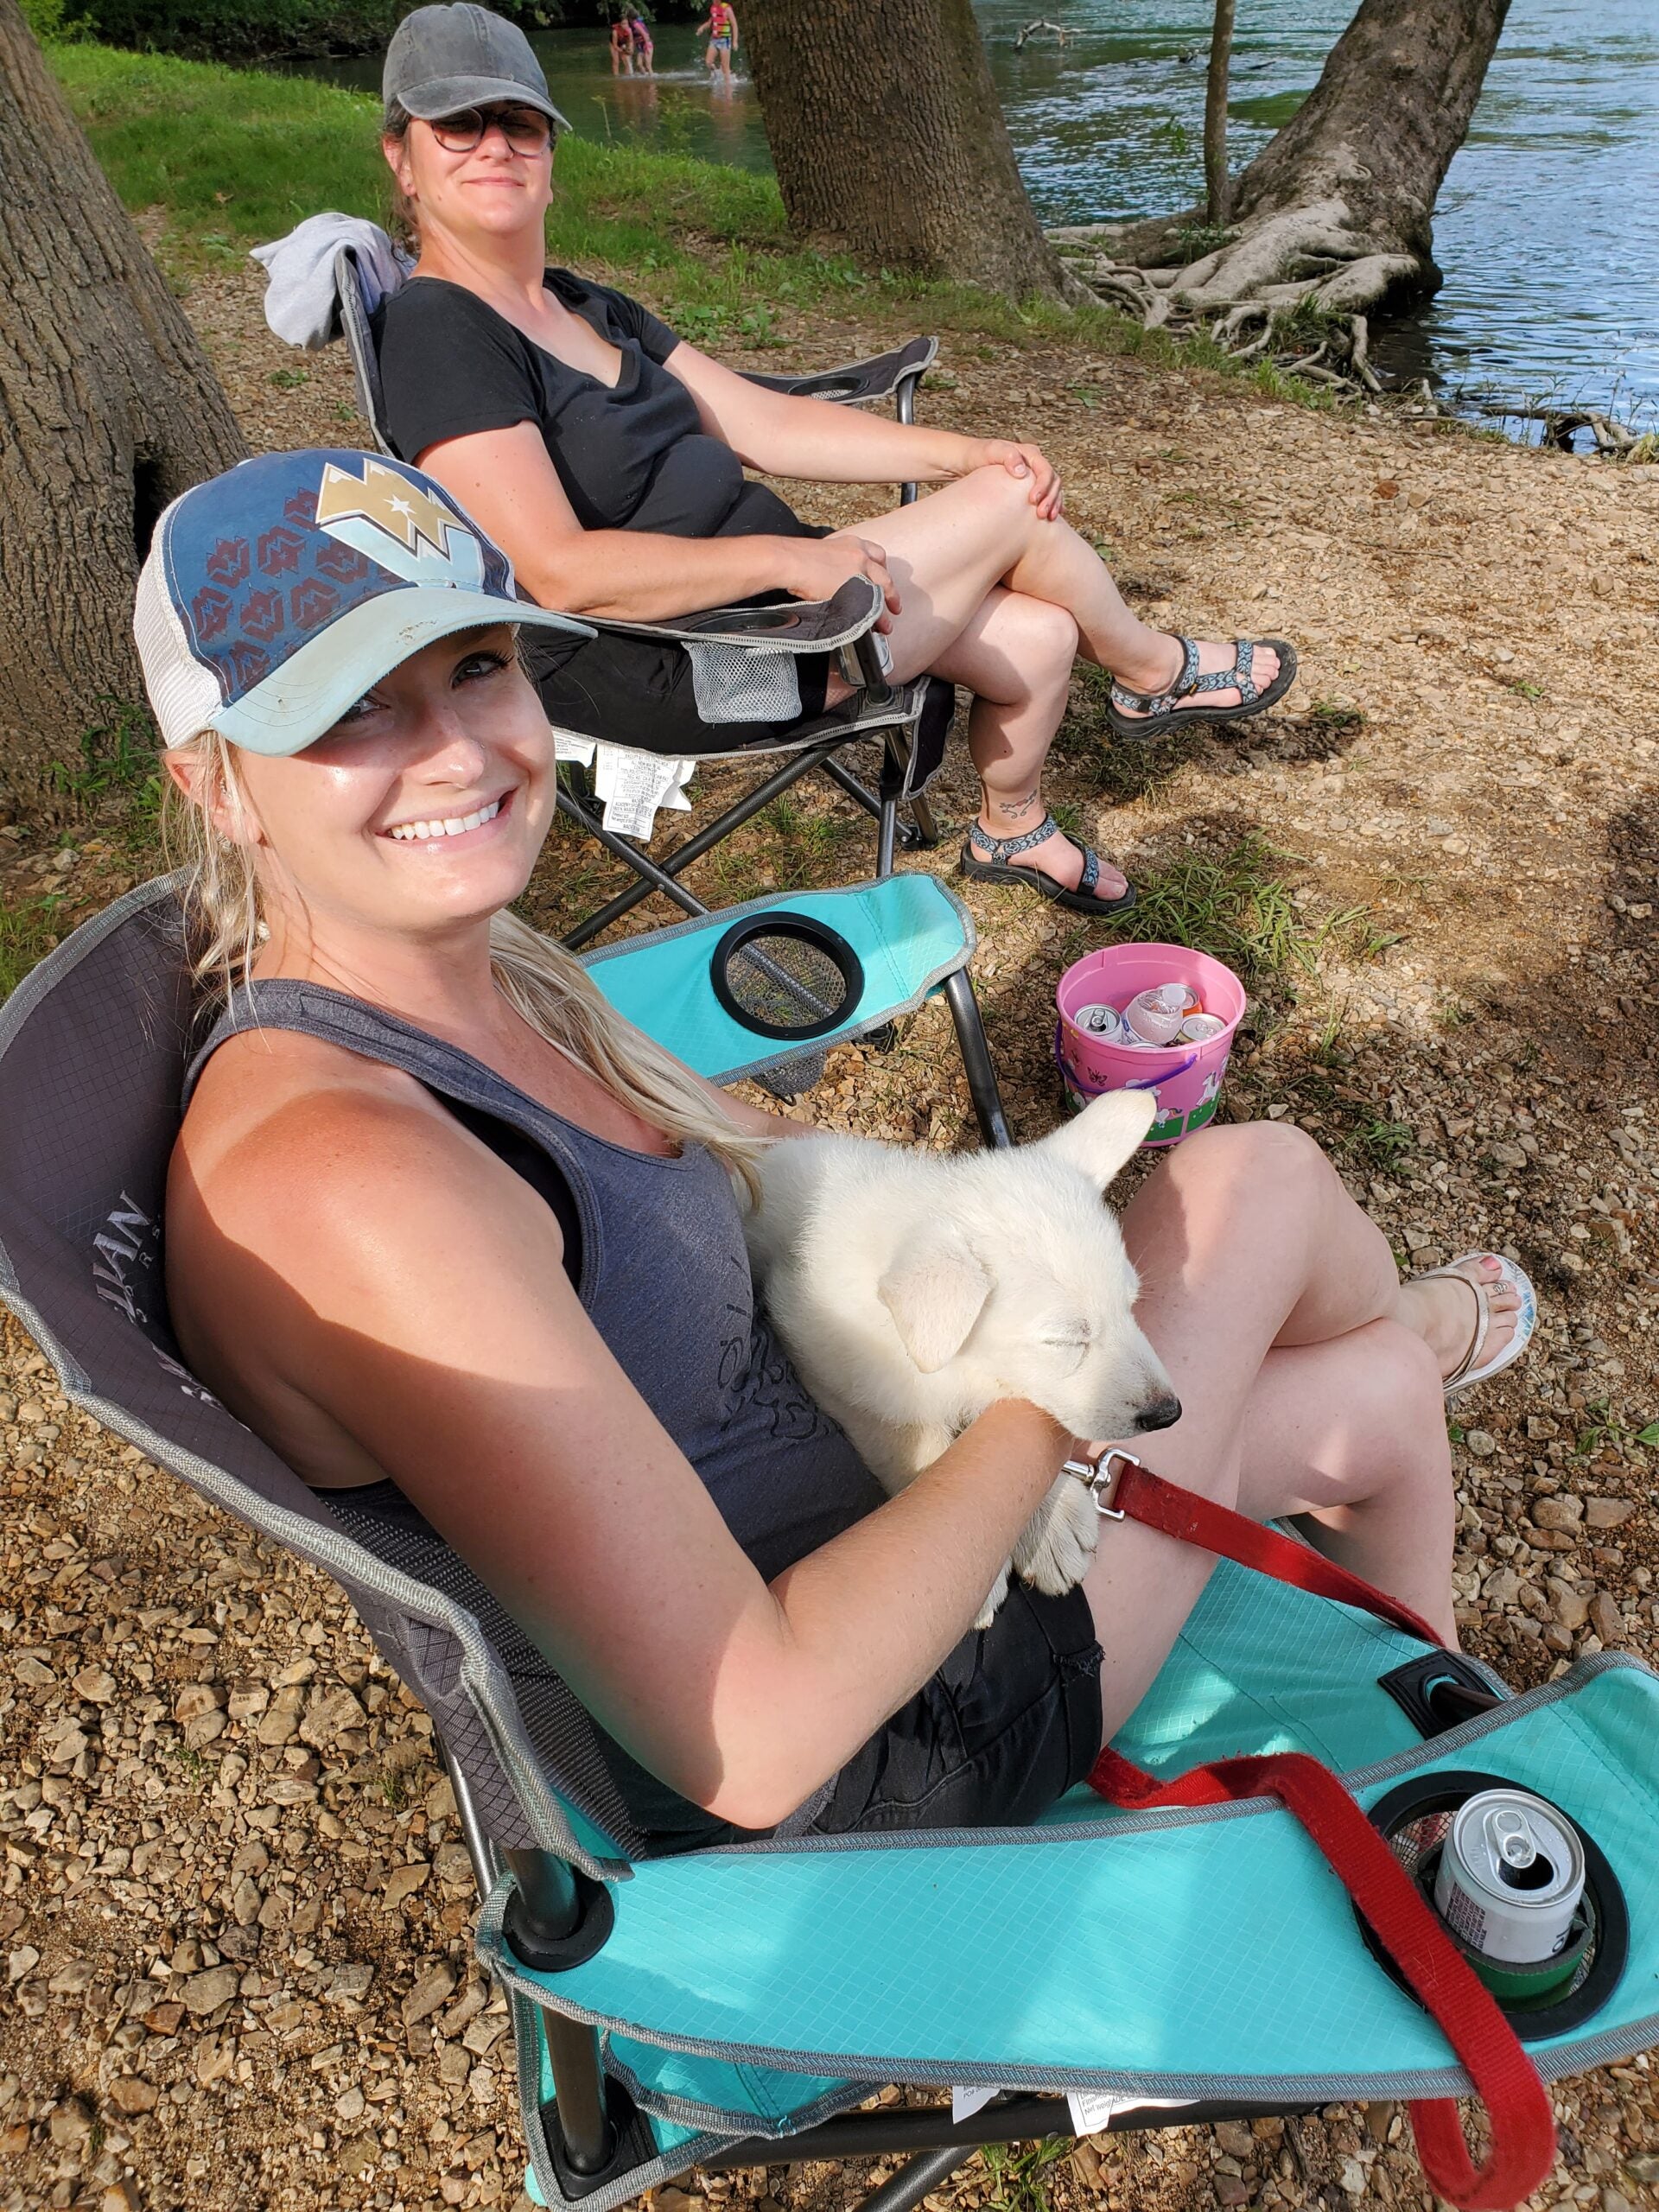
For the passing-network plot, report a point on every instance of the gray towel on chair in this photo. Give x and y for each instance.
(300, 296)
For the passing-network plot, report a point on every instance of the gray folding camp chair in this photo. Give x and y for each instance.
(736, 651)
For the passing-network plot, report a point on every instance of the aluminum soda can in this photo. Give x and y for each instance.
(1199, 1028)
(1510, 1876)
(1099, 1020)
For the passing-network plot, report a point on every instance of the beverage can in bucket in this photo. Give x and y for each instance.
(1508, 1885)
(1186, 1070)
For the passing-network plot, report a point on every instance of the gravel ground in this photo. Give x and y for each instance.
(235, 1905)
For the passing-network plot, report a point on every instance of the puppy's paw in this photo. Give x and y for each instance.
(1058, 1543)
(987, 1613)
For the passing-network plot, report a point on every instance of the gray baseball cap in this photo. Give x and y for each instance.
(443, 59)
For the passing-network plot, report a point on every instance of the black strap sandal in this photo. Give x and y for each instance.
(1156, 713)
(1083, 900)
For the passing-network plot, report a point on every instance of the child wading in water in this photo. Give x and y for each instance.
(721, 27)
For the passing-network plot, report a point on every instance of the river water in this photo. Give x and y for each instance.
(1548, 228)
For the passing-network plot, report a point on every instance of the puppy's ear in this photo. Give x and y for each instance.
(934, 1293)
(1106, 1133)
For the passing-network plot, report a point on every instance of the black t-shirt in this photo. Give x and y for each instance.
(631, 457)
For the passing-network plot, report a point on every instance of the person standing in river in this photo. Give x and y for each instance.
(606, 456)
(720, 23)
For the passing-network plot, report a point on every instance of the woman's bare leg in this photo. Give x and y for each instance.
(1307, 1379)
(1351, 1432)
(1015, 655)
(948, 553)
(984, 530)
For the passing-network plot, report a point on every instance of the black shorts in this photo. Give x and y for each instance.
(1009, 1723)
(639, 692)
(1006, 1725)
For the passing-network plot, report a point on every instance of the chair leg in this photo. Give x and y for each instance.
(927, 828)
(655, 878)
(914, 2181)
(486, 1859)
(892, 784)
(844, 780)
(660, 876)
(982, 1086)
(550, 1908)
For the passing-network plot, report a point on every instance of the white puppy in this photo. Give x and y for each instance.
(913, 1290)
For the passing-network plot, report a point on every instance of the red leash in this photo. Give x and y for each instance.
(1522, 2124)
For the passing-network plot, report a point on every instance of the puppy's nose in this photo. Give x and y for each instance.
(1160, 1413)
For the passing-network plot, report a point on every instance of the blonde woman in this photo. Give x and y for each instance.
(448, 1233)
(607, 456)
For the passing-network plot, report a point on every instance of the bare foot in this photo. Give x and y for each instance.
(1444, 1315)
(1059, 856)
(1163, 663)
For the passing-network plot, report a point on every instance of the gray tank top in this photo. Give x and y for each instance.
(663, 1275)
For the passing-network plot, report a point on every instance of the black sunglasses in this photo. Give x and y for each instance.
(526, 129)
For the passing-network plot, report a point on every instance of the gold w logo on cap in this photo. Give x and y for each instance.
(390, 502)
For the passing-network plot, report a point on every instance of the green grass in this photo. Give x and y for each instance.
(234, 157)
(29, 930)
(1381, 1143)
(1017, 2173)
(115, 784)
(1238, 906)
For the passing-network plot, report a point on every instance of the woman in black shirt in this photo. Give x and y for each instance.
(607, 457)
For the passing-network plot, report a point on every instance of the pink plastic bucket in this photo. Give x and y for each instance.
(1187, 1078)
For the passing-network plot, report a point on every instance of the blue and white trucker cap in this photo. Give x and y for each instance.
(276, 596)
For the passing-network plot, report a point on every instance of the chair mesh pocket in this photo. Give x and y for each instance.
(786, 983)
(742, 684)
(786, 975)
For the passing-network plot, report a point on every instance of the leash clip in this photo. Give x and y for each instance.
(1099, 1476)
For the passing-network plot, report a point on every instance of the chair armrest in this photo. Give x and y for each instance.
(859, 381)
(797, 626)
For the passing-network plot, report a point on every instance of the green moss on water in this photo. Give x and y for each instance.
(1268, 111)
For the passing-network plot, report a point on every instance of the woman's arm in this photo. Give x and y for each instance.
(409, 1288)
(785, 435)
(505, 481)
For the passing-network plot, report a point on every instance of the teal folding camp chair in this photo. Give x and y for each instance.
(739, 2006)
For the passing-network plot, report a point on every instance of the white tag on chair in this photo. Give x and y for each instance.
(964, 2103)
(1092, 2109)
(570, 745)
(634, 785)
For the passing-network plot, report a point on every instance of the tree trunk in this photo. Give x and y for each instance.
(889, 142)
(1217, 196)
(108, 408)
(1337, 211)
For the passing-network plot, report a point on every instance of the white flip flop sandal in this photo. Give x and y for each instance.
(1468, 1372)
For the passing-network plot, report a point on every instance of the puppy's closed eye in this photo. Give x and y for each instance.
(1068, 1342)
(1066, 1333)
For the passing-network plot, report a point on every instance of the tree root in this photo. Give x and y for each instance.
(1561, 425)
(1043, 23)
(1294, 288)
(1293, 293)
